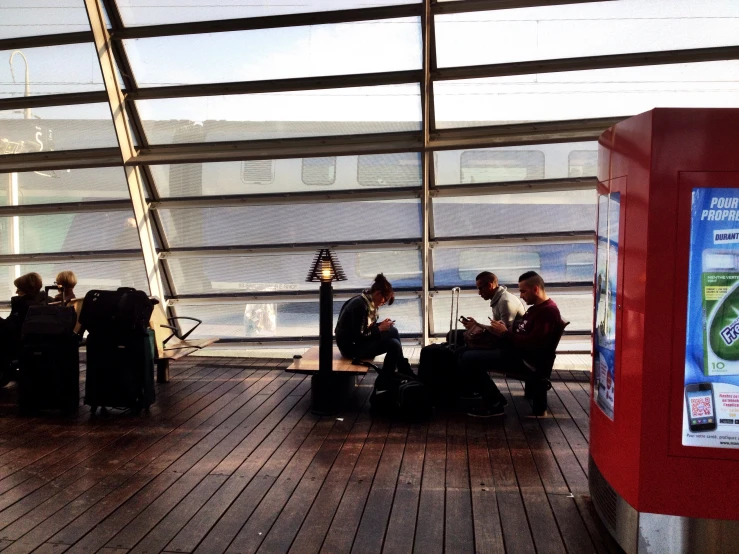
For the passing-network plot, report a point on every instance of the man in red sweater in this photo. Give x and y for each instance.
(527, 349)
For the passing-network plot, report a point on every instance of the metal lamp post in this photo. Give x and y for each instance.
(327, 386)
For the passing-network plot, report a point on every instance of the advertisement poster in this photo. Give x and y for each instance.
(711, 403)
(606, 281)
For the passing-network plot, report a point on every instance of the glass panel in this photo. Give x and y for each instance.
(345, 111)
(293, 223)
(25, 18)
(90, 275)
(287, 272)
(281, 53)
(556, 263)
(50, 70)
(68, 232)
(284, 318)
(585, 94)
(543, 161)
(288, 175)
(319, 171)
(585, 29)
(388, 170)
(134, 12)
(583, 163)
(577, 308)
(62, 185)
(56, 128)
(513, 214)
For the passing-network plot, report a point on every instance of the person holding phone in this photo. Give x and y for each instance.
(506, 307)
(360, 335)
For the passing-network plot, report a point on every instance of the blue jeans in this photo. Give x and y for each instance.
(387, 343)
(474, 365)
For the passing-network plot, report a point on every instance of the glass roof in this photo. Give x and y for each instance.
(261, 130)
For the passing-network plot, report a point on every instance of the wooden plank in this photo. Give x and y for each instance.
(602, 540)
(374, 522)
(459, 532)
(287, 525)
(68, 525)
(430, 522)
(574, 533)
(308, 363)
(316, 524)
(343, 529)
(238, 496)
(399, 537)
(485, 514)
(516, 533)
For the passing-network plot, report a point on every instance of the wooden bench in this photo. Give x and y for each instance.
(308, 364)
(165, 329)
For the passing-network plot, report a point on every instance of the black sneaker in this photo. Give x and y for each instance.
(488, 411)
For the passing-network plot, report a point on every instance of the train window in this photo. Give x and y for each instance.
(580, 266)
(387, 170)
(258, 172)
(490, 166)
(583, 163)
(395, 265)
(507, 266)
(319, 171)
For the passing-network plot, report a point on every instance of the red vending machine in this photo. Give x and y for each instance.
(664, 418)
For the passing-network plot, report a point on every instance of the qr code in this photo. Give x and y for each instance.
(700, 407)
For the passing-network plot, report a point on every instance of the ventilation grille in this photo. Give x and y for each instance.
(604, 497)
(257, 172)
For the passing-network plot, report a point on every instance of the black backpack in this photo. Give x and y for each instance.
(121, 311)
(401, 395)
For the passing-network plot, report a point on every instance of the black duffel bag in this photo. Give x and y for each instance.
(123, 310)
(43, 319)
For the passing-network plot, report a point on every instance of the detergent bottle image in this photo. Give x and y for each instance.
(720, 294)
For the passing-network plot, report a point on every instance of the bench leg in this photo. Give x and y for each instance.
(163, 370)
(330, 392)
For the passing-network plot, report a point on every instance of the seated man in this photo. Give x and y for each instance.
(505, 306)
(526, 350)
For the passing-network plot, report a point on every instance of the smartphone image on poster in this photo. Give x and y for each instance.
(701, 407)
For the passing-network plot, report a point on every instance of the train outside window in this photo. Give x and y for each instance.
(491, 166)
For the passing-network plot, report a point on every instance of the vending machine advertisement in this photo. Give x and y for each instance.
(606, 282)
(711, 406)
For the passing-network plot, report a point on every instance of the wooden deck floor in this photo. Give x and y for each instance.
(230, 459)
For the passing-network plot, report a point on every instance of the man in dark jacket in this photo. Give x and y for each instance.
(527, 348)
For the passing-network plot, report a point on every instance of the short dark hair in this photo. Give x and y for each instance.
(487, 277)
(533, 279)
(30, 283)
(383, 286)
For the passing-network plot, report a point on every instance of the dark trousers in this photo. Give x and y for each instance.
(388, 343)
(475, 364)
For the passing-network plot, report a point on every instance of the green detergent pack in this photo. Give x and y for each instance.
(720, 284)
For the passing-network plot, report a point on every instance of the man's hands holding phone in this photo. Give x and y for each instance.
(468, 322)
(386, 324)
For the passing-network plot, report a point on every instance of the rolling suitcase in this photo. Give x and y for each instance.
(49, 375)
(120, 370)
(438, 362)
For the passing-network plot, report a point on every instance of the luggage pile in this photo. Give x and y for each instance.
(49, 376)
(120, 349)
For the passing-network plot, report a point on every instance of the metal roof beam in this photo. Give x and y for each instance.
(66, 208)
(60, 159)
(43, 101)
(349, 195)
(277, 85)
(268, 22)
(611, 61)
(345, 145)
(489, 5)
(58, 257)
(510, 187)
(45, 40)
(259, 249)
(530, 239)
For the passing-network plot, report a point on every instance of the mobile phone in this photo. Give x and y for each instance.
(463, 319)
(701, 407)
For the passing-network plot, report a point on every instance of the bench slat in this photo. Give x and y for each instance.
(309, 363)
